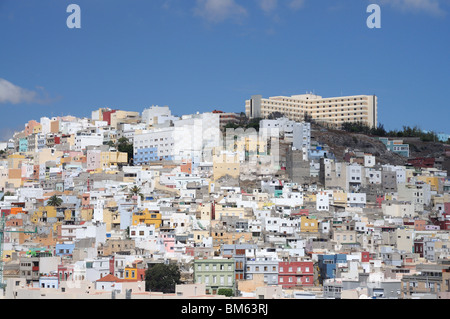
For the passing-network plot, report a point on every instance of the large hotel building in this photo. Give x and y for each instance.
(334, 111)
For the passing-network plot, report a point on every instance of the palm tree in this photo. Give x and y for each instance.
(136, 191)
(54, 201)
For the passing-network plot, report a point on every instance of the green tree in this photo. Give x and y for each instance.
(136, 191)
(55, 201)
(124, 145)
(379, 130)
(162, 278)
(225, 292)
(275, 115)
(253, 123)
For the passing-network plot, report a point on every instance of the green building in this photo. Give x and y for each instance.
(215, 273)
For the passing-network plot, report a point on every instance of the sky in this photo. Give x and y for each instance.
(203, 55)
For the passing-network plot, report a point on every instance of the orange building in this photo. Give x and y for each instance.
(186, 167)
(135, 272)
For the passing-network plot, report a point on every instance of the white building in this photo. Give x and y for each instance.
(157, 115)
(356, 200)
(322, 201)
(193, 137)
(82, 141)
(354, 176)
(373, 176)
(301, 136)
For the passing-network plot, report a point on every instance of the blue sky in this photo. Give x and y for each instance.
(201, 55)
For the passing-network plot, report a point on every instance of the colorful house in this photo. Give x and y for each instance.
(215, 273)
(309, 225)
(295, 273)
(147, 217)
(396, 146)
(328, 265)
(135, 271)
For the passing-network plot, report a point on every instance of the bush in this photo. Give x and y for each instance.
(225, 292)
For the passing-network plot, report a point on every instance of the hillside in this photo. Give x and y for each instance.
(339, 141)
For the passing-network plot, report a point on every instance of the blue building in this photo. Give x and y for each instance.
(396, 146)
(64, 249)
(328, 264)
(146, 155)
(23, 144)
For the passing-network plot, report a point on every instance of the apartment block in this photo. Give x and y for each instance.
(333, 111)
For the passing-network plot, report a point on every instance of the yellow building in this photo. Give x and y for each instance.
(309, 225)
(43, 213)
(221, 237)
(251, 144)
(334, 110)
(340, 198)
(15, 161)
(226, 164)
(37, 128)
(199, 235)
(134, 272)
(87, 214)
(124, 117)
(309, 198)
(433, 181)
(48, 154)
(221, 211)
(148, 218)
(108, 159)
(68, 215)
(15, 177)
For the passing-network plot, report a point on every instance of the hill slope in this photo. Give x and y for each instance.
(339, 141)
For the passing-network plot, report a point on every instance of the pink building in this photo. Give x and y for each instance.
(29, 127)
(93, 159)
(169, 242)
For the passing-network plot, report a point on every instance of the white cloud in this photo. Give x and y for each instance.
(11, 93)
(429, 6)
(219, 10)
(296, 4)
(268, 5)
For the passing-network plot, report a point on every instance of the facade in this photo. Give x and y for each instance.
(295, 274)
(315, 225)
(328, 265)
(217, 273)
(428, 282)
(333, 111)
(396, 146)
